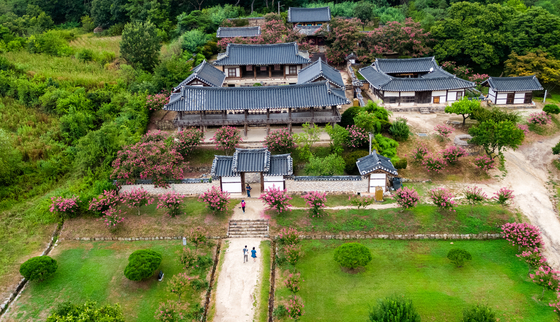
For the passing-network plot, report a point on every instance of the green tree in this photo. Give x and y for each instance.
(330, 165)
(142, 264)
(479, 313)
(306, 139)
(494, 136)
(458, 256)
(347, 118)
(192, 40)
(556, 149)
(541, 64)
(140, 45)
(535, 28)
(463, 107)
(352, 255)
(88, 311)
(10, 159)
(38, 268)
(399, 129)
(338, 136)
(551, 109)
(101, 12)
(367, 121)
(394, 309)
(156, 11)
(364, 11)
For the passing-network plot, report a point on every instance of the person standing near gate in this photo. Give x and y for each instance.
(243, 207)
(248, 188)
(245, 254)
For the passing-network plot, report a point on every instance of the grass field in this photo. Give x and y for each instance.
(332, 201)
(89, 41)
(421, 219)
(421, 271)
(94, 271)
(262, 311)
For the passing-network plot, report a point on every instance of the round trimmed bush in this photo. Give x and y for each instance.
(38, 268)
(350, 160)
(142, 264)
(479, 313)
(394, 309)
(458, 256)
(352, 255)
(551, 109)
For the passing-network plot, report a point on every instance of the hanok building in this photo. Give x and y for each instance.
(413, 82)
(512, 90)
(310, 22)
(203, 75)
(379, 169)
(261, 105)
(272, 63)
(241, 32)
(232, 170)
(319, 71)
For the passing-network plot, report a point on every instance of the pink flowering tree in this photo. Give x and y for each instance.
(288, 236)
(443, 199)
(137, 198)
(357, 137)
(503, 196)
(198, 236)
(179, 284)
(556, 305)
(474, 196)
(64, 207)
(539, 118)
(295, 307)
(547, 278)
(171, 311)
(522, 235)
(226, 138)
(215, 199)
(276, 199)
(112, 218)
(154, 136)
(361, 201)
(149, 160)
(293, 282)
(533, 257)
(187, 140)
(464, 72)
(293, 253)
(315, 200)
(404, 38)
(280, 141)
(452, 154)
(342, 39)
(484, 163)
(407, 197)
(524, 128)
(419, 152)
(157, 101)
(443, 131)
(171, 201)
(434, 163)
(104, 202)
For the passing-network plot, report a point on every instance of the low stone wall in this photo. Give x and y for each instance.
(431, 109)
(342, 184)
(181, 188)
(404, 236)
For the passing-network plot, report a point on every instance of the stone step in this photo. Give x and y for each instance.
(424, 110)
(248, 236)
(248, 220)
(249, 226)
(256, 231)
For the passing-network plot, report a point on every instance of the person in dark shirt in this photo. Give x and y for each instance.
(248, 188)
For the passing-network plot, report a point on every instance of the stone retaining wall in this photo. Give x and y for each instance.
(181, 188)
(339, 186)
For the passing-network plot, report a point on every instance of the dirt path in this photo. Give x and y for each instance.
(236, 294)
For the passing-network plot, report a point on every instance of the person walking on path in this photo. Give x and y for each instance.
(248, 188)
(254, 254)
(245, 254)
(243, 207)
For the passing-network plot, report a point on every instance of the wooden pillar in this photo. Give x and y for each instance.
(255, 71)
(399, 98)
(262, 182)
(246, 125)
(267, 121)
(284, 70)
(312, 115)
(333, 110)
(269, 71)
(290, 119)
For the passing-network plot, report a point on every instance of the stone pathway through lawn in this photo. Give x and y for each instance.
(236, 293)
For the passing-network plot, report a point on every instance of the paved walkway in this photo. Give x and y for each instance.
(237, 281)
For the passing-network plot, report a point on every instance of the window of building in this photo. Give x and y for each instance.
(459, 96)
(292, 70)
(231, 72)
(528, 98)
(407, 99)
(391, 100)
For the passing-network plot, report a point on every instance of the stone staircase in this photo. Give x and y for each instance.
(424, 110)
(248, 228)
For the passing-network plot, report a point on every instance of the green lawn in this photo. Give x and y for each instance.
(421, 271)
(332, 201)
(94, 271)
(421, 219)
(262, 315)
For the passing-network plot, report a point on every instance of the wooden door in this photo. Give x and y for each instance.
(528, 98)
(436, 99)
(423, 97)
(510, 97)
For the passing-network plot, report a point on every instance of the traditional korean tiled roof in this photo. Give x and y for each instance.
(244, 32)
(296, 15)
(373, 162)
(252, 160)
(513, 84)
(281, 165)
(205, 73)
(268, 54)
(409, 65)
(320, 69)
(440, 81)
(197, 98)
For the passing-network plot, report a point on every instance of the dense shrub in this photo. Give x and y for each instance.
(347, 118)
(533, 257)
(458, 256)
(442, 198)
(280, 311)
(407, 197)
(419, 152)
(288, 236)
(540, 118)
(88, 311)
(187, 140)
(84, 55)
(546, 277)
(316, 202)
(140, 45)
(105, 201)
(293, 281)
(295, 307)
(330, 165)
(399, 129)
(484, 163)
(157, 101)
(179, 284)
(434, 163)
(401, 164)
(551, 109)
(198, 236)
(522, 235)
(293, 253)
(142, 264)
(352, 255)
(357, 137)
(479, 313)
(137, 198)
(226, 138)
(276, 199)
(171, 201)
(64, 207)
(280, 141)
(38, 268)
(394, 309)
(503, 196)
(453, 153)
(443, 131)
(474, 195)
(338, 136)
(215, 199)
(361, 201)
(350, 160)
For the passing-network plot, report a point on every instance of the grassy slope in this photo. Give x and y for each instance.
(262, 312)
(419, 270)
(95, 271)
(421, 219)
